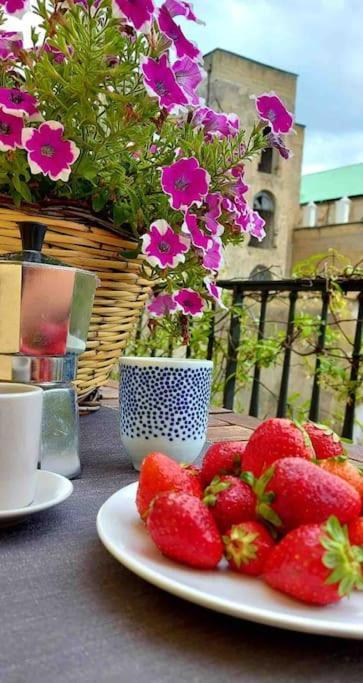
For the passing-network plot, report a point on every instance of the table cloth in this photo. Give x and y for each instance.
(69, 612)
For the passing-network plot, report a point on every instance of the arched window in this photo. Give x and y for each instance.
(264, 203)
(267, 159)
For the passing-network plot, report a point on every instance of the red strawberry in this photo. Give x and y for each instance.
(184, 530)
(294, 492)
(194, 472)
(160, 473)
(247, 546)
(231, 501)
(344, 469)
(224, 457)
(355, 531)
(326, 443)
(315, 563)
(273, 439)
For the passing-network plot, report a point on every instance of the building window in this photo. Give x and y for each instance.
(266, 162)
(264, 203)
(260, 272)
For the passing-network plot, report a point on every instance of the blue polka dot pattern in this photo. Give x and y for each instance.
(164, 401)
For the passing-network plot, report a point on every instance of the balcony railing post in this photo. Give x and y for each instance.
(211, 335)
(315, 394)
(348, 424)
(233, 343)
(284, 386)
(257, 370)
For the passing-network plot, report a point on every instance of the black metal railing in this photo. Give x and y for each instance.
(265, 292)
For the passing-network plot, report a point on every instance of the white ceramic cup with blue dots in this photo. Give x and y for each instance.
(164, 405)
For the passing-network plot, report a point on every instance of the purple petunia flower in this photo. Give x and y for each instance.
(214, 203)
(279, 144)
(10, 131)
(57, 55)
(188, 75)
(198, 237)
(17, 102)
(180, 8)
(159, 80)
(190, 302)
(10, 43)
(214, 291)
(138, 12)
(270, 108)
(257, 226)
(214, 124)
(183, 46)
(16, 8)
(163, 247)
(162, 304)
(186, 183)
(213, 258)
(48, 152)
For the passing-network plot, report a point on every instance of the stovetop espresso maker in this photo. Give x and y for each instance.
(45, 311)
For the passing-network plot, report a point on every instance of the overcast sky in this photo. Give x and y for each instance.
(321, 40)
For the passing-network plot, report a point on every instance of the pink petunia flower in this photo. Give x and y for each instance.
(214, 203)
(180, 8)
(279, 144)
(270, 108)
(162, 304)
(190, 302)
(48, 152)
(188, 75)
(257, 226)
(198, 237)
(10, 131)
(16, 8)
(159, 80)
(186, 183)
(138, 12)
(183, 46)
(163, 247)
(57, 55)
(214, 291)
(17, 102)
(10, 43)
(214, 124)
(213, 258)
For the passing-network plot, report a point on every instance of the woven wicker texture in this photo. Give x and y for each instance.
(120, 298)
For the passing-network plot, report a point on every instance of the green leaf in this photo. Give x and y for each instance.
(22, 188)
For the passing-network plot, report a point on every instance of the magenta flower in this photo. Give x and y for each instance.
(279, 144)
(214, 203)
(57, 55)
(186, 183)
(159, 80)
(198, 237)
(270, 108)
(17, 102)
(10, 131)
(188, 75)
(163, 247)
(162, 304)
(190, 302)
(15, 7)
(10, 44)
(179, 8)
(243, 219)
(214, 291)
(138, 12)
(257, 226)
(214, 124)
(48, 152)
(213, 258)
(183, 46)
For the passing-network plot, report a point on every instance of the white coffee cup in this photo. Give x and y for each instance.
(20, 430)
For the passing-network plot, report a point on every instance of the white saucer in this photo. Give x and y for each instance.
(51, 490)
(124, 535)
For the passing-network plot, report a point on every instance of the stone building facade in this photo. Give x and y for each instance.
(274, 182)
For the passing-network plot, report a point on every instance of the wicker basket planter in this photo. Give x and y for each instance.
(90, 244)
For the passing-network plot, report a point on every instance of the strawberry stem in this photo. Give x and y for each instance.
(341, 557)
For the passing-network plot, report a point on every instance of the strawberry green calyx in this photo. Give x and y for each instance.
(306, 437)
(264, 499)
(327, 431)
(341, 557)
(211, 492)
(239, 545)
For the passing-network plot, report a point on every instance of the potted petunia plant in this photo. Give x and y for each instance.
(102, 111)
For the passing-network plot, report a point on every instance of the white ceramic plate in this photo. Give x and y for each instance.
(124, 535)
(51, 490)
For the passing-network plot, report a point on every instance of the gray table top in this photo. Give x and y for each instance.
(71, 613)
